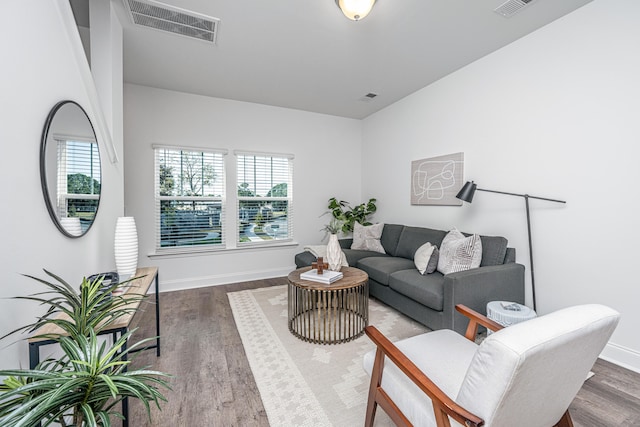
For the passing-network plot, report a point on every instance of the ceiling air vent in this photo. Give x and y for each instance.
(160, 16)
(368, 97)
(510, 7)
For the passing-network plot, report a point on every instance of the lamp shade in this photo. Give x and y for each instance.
(467, 191)
(355, 9)
(126, 247)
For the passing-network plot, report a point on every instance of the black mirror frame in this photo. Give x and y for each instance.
(43, 175)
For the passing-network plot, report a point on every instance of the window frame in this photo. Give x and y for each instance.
(158, 199)
(63, 196)
(289, 198)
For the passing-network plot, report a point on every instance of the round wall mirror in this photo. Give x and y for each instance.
(70, 169)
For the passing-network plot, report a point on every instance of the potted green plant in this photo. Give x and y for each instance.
(348, 215)
(83, 386)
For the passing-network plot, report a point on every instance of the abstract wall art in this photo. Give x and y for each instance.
(437, 180)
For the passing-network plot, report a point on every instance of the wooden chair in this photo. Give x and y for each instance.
(524, 375)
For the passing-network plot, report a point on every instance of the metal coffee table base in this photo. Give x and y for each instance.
(328, 316)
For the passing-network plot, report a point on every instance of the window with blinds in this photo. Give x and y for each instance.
(190, 198)
(265, 197)
(78, 180)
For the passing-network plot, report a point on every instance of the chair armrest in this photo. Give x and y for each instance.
(440, 400)
(476, 319)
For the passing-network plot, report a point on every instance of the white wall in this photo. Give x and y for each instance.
(555, 114)
(327, 163)
(39, 69)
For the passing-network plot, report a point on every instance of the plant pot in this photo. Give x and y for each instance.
(334, 253)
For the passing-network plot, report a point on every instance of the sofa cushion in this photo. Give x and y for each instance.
(367, 237)
(412, 238)
(426, 258)
(355, 255)
(494, 250)
(380, 267)
(390, 236)
(427, 290)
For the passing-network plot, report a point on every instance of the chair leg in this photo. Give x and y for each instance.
(376, 379)
(442, 419)
(565, 421)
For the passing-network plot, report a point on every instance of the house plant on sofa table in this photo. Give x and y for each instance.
(91, 377)
(342, 211)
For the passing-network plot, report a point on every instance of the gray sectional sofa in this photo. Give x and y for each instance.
(431, 298)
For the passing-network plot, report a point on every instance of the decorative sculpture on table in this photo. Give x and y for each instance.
(320, 265)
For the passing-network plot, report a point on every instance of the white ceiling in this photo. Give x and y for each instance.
(305, 54)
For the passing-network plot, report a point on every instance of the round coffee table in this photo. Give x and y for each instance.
(329, 314)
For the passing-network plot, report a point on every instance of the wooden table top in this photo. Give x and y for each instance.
(352, 277)
(140, 286)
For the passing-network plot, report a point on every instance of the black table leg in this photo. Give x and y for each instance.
(125, 401)
(157, 315)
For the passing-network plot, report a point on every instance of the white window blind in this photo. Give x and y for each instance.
(78, 179)
(190, 198)
(265, 197)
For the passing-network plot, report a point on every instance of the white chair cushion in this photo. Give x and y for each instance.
(528, 374)
(443, 356)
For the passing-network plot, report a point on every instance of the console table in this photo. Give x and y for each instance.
(146, 276)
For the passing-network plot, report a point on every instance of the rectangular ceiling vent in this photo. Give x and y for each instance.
(511, 7)
(368, 97)
(163, 17)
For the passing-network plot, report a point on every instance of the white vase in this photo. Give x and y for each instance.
(334, 253)
(72, 225)
(126, 247)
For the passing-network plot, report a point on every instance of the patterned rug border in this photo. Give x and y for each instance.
(332, 390)
(254, 328)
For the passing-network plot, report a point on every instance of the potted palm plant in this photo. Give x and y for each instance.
(84, 385)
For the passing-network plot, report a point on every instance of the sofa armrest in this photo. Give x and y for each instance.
(478, 286)
(304, 259)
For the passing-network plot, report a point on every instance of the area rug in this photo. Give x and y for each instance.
(303, 384)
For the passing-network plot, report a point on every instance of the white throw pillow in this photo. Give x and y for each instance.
(367, 237)
(459, 253)
(426, 258)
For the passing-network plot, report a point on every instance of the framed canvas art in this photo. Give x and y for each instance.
(437, 180)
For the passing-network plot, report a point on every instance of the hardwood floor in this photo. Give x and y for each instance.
(213, 385)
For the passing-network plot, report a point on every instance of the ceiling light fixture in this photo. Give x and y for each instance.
(355, 9)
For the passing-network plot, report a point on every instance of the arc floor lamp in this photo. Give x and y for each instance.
(466, 194)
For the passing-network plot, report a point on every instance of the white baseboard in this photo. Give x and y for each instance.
(622, 356)
(222, 279)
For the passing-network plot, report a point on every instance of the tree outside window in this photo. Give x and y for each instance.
(264, 198)
(190, 197)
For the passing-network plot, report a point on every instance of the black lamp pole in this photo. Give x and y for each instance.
(466, 194)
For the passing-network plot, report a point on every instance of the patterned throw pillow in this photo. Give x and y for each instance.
(426, 258)
(367, 237)
(459, 253)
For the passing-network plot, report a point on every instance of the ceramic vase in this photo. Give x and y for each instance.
(334, 253)
(126, 247)
(72, 225)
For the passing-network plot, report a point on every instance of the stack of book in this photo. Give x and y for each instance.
(327, 276)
